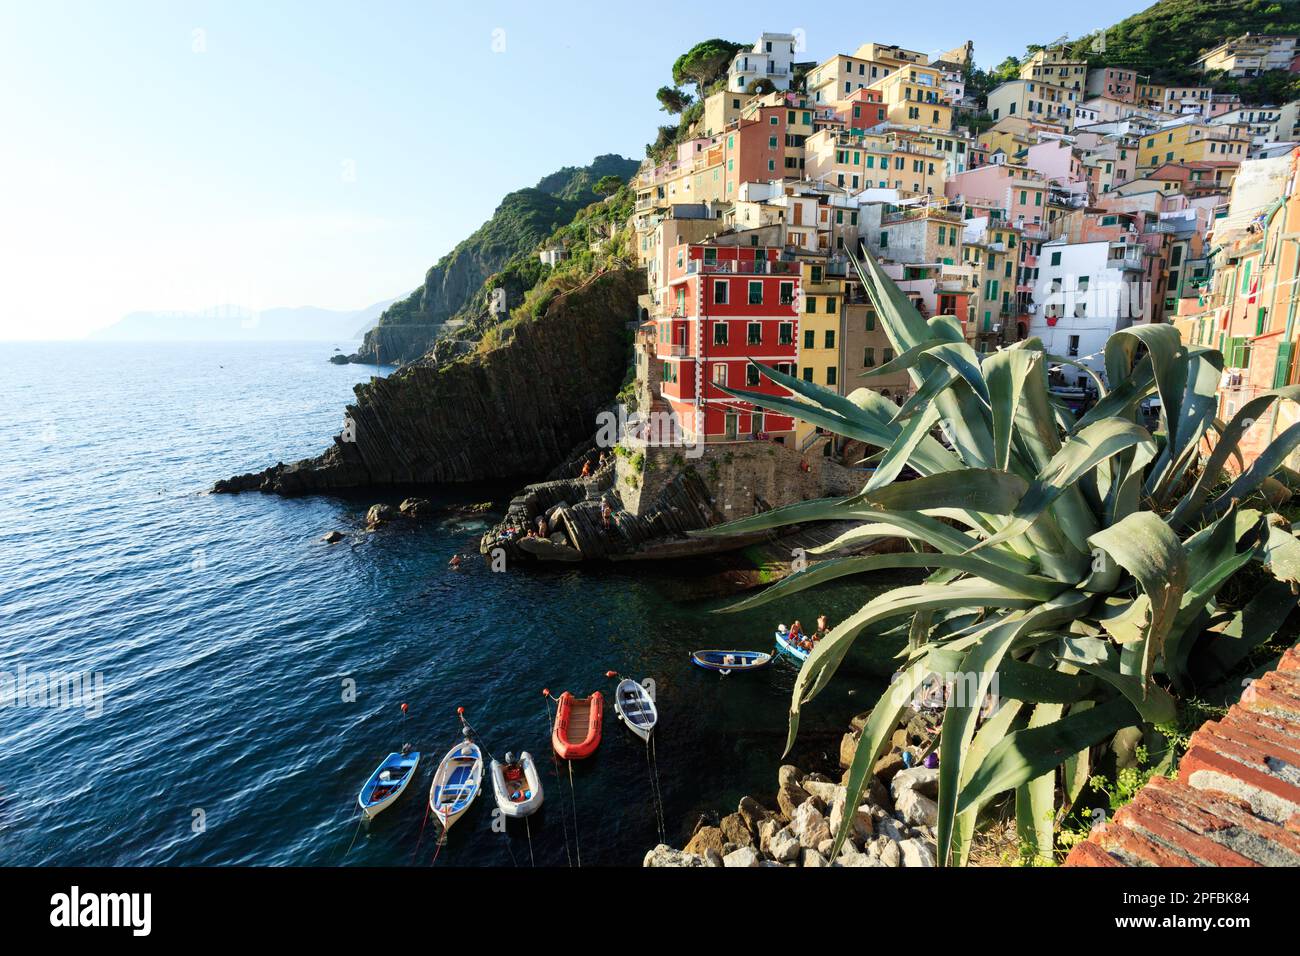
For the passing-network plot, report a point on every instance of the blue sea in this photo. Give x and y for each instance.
(251, 676)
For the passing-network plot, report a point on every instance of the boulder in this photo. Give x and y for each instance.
(848, 747)
(809, 825)
(333, 537)
(811, 857)
(789, 797)
(894, 829)
(824, 790)
(745, 856)
(664, 855)
(788, 774)
(916, 809)
(379, 514)
(416, 507)
(706, 838)
(814, 778)
(920, 780)
(784, 846)
(713, 858)
(736, 830)
(861, 828)
(887, 766)
(766, 830)
(825, 847)
(886, 851)
(853, 857)
(753, 812)
(916, 853)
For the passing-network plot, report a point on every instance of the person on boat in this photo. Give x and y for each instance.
(797, 637)
(823, 628)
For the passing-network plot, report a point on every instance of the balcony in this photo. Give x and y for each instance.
(750, 267)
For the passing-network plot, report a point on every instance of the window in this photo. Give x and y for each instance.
(1056, 258)
(871, 320)
(809, 339)
(886, 355)
(751, 375)
(720, 374)
(869, 357)
(785, 333)
(830, 305)
(720, 292)
(719, 333)
(830, 338)
(884, 239)
(807, 374)
(787, 293)
(810, 303)
(755, 293)
(1074, 346)
(755, 333)
(830, 375)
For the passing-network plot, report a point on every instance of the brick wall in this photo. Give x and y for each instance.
(1236, 801)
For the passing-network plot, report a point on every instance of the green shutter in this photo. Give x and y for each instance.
(1282, 368)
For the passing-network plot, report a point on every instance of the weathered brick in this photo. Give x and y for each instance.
(1089, 854)
(1207, 768)
(1225, 819)
(1143, 851)
(1203, 850)
(1249, 737)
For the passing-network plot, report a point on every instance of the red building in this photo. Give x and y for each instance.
(728, 304)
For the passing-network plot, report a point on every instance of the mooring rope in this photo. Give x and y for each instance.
(573, 796)
(652, 761)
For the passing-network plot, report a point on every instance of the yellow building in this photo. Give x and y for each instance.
(914, 96)
(1057, 67)
(834, 79)
(994, 258)
(821, 328)
(720, 111)
(1191, 141)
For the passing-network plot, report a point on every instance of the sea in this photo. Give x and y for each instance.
(199, 679)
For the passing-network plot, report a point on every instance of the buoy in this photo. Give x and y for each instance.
(460, 710)
(546, 692)
(611, 673)
(405, 708)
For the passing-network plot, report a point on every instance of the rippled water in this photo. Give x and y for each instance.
(227, 633)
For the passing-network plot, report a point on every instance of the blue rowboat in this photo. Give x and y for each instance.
(387, 782)
(783, 644)
(724, 662)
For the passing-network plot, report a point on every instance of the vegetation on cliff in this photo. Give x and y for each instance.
(525, 219)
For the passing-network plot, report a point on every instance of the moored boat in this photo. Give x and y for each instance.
(517, 785)
(784, 643)
(456, 782)
(388, 781)
(635, 707)
(577, 725)
(724, 662)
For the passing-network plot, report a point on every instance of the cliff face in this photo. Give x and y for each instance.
(512, 409)
(526, 217)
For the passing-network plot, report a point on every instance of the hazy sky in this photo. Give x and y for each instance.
(182, 155)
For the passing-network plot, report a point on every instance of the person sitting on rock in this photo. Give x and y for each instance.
(454, 563)
(605, 512)
(586, 468)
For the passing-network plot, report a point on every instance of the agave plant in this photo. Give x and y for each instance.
(1074, 564)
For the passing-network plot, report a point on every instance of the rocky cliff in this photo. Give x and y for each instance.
(515, 407)
(525, 218)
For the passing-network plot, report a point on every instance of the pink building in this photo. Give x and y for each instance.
(1018, 191)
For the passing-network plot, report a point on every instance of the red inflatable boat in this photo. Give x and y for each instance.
(577, 725)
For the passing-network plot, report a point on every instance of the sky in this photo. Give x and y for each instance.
(184, 155)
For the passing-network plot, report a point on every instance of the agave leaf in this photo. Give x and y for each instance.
(875, 735)
(1035, 800)
(820, 666)
(1035, 684)
(1082, 367)
(1144, 546)
(923, 398)
(1252, 626)
(1030, 585)
(1263, 466)
(1282, 554)
(969, 489)
(1153, 703)
(1190, 504)
(1006, 372)
(905, 360)
(818, 509)
(994, 728)
(1075, 770)
(901, 451)
(1079, 455)
(1025, 754)
(987, 648)
(1168, 358)
(1200, 399)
